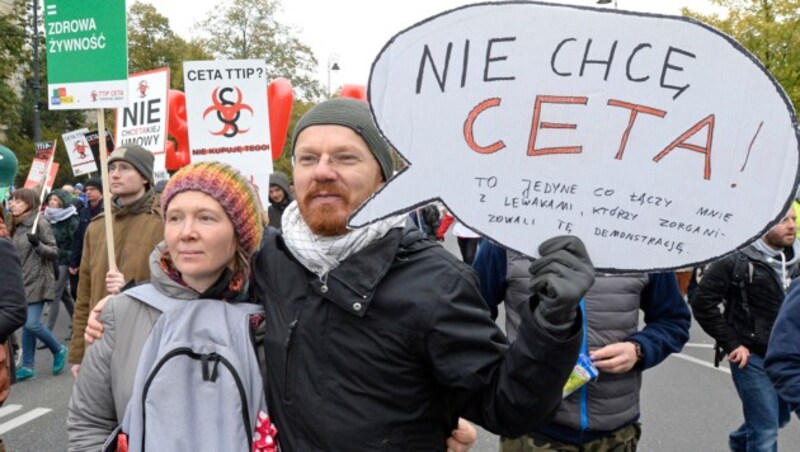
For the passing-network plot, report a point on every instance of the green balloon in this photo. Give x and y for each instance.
(8, 166)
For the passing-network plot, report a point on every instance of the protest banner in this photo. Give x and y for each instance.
(93, 140)
(87, 67)
(48, 185)
(228, 118)
(41, 164)
(79, 152)
(87, 54)
(42, 174)
(548, 120)
(144, 120)
(52, 172)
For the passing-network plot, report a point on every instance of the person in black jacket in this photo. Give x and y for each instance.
(12, 291)
(377, 338)
(752, 285)
(13, 308)
(280, 196)
(63, 217)
(94, 196)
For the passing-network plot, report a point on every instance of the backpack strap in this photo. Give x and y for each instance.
(741, 276)
(147, 294)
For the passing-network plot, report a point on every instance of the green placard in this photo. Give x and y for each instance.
(86, 41)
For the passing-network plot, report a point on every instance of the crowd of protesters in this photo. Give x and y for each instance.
(367, 339)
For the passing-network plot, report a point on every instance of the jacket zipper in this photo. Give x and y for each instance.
(207, 376)
(287, 372)
(584, 403)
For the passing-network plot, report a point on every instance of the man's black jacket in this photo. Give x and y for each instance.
(764, 291)
(394, 346)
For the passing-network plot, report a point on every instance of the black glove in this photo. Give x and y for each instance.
(560, 278)
(34, 240)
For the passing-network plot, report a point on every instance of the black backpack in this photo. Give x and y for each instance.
(741, 276)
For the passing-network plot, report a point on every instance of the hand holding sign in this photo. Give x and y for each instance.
(548, 121)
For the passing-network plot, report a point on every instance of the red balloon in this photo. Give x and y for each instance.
(176, 159)
(279, 99)
(354, 92)
(177, 156)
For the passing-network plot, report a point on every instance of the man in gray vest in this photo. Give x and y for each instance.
(602, 415)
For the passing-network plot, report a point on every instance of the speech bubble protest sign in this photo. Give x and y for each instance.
(657, 140)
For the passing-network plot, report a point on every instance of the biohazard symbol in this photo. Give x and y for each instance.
(143, 87)
(228, 112)
(94, 96)
(80, 148)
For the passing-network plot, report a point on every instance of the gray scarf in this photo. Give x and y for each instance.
(57, 215)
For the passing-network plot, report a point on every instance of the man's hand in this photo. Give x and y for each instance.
(75, 369)
(462, 438)
(560, 278)
(73, 271)
(115, 281)
(615, 358)
(740, 355)
(94, 327)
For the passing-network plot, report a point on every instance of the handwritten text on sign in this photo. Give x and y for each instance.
(549, 120)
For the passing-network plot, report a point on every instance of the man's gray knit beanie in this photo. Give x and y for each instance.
(353, 114)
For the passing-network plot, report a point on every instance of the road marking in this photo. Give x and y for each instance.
(697, 345)
(25, 418)
(692, 359)
(8, 409)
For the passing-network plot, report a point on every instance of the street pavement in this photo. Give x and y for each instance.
(687, 404)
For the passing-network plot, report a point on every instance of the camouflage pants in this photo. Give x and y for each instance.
(622, 440)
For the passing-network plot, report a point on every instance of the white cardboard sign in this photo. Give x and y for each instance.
(144, 120)
(79, 152)
(226, 109)
(657, 140)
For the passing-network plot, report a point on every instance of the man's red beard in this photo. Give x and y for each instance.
(326, 220)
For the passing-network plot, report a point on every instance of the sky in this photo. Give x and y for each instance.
(352, 32)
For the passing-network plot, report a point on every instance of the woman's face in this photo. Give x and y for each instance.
(18, 207)
(54, 202)
(200, 238)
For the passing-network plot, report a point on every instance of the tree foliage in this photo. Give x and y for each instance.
(249, 29)
(12, 41)
(152, 44)
(245, 29)
(770, 29)
(19, 111)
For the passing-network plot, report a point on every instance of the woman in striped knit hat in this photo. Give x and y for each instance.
(212, 226)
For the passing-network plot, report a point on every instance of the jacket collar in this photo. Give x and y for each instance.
(352, 285)
(792, 253)
(162, 281)
(141, 205)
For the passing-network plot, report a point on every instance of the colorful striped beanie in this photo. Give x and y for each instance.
(235, 194)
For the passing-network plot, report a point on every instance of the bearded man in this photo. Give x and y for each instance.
(378, 338)
(751, 284)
